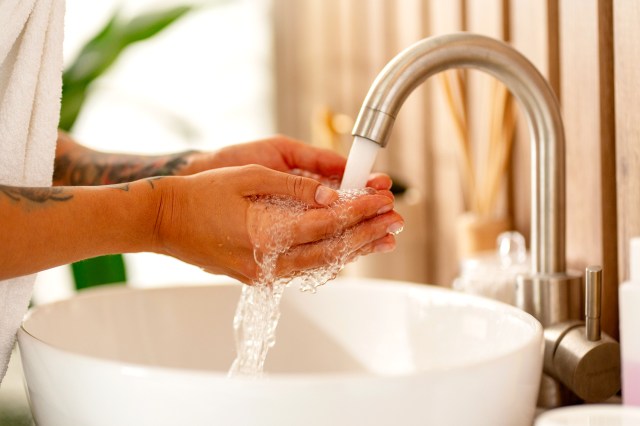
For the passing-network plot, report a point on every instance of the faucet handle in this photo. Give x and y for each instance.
(593, 302)
(583, 358)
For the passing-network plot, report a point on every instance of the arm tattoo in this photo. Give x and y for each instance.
(151, 179)
(125, 186)
(121, 186)
(105, 169)
(37, 195)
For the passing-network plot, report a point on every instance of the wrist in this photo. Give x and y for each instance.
(158, 204)
(197, 161)
(141, 212)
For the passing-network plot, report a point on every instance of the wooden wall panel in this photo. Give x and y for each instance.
(608, 184)
(586, 91)
(482, 17)
(486, 17)
(580, 108)
(412, 127)
(284, 18)
(534, 32)
(311, 61)
(627, 124)
(444, 188)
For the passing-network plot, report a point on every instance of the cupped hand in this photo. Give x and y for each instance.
(282, 154)
(203, 219)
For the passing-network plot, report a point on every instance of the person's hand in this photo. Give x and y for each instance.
(203, 219)
(279, 153)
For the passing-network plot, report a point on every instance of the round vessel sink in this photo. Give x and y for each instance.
(358, 352)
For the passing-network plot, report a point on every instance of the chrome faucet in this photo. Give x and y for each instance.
(549, 293)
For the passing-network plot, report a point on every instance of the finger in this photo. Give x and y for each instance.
(351, 241)
(318, 224)
(329, 251)
(299, 155)
(386, 193)
(380, 181)
(264, 181)
(382, 245)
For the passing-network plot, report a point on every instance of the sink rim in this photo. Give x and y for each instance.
(146, 370)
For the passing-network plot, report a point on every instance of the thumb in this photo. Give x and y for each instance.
(305, 189)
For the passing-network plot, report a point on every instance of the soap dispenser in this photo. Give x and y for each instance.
(629, 300)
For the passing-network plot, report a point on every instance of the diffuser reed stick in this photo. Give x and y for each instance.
(456, 103)
(500, 146)
(481, 199)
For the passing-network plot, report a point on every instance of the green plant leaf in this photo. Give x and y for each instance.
(92, 59)
(103, 50)
(148, 25)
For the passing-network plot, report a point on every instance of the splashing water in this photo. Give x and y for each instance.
(359, 163)
(258, 310)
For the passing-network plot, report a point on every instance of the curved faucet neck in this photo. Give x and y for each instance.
(463, 50)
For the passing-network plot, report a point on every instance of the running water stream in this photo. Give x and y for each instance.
(359, 163)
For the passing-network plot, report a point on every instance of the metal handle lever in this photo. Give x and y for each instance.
(583, 358)
(593, 302)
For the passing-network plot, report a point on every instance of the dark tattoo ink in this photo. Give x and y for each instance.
(122, 187)
(151, 179)
(106, 169)
(37, 195)
(60, 167)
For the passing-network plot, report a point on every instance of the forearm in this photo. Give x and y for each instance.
(46, 227)
(77, 165)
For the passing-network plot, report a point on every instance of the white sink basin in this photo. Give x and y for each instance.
(359, 352)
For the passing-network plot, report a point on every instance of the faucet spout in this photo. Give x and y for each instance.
(427, 57)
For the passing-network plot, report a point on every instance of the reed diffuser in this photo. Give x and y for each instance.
(483, 219)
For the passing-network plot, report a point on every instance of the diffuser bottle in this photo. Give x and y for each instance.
(629, 297)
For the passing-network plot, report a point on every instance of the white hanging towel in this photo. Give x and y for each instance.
(31, 33)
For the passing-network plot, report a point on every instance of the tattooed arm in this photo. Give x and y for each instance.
(79, 165)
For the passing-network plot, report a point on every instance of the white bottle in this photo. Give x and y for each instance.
(629, 300)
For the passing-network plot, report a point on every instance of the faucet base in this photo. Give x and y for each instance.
(554, 394)
(551, 298)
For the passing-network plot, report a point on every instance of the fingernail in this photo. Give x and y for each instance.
(386, 208)
(384, 248)
(395, 228)
(325, 195)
